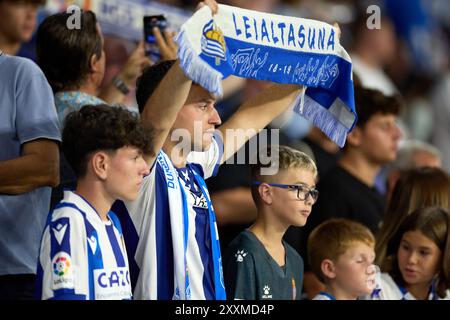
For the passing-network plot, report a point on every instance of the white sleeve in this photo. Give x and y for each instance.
(210, 159)
(447, 295)
(63, 257)
(389, 289)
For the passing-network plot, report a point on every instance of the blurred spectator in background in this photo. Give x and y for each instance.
(347, 191)
(415, 189)
(440, 99)
(17, 23)
(78, 83)
(421, 32)
(73, 61)
(28, 166)
(411, 154)
(260, 5)
(372, 50)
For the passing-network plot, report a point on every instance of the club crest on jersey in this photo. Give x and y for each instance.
(213, 42)
(62, 271)
(112, 284)
(199, 201)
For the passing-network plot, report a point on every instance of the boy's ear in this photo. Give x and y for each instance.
(328, 269)
(355, 136)
(265, 192)
(94, 63)
(99, 164)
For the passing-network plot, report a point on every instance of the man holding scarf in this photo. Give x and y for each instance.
(170, 230)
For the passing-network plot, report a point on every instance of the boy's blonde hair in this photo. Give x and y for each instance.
(283, 157)
(333, 238)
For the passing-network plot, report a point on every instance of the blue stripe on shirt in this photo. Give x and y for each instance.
(203, 237)
(131, 239)
(163, 232)
(115, 245)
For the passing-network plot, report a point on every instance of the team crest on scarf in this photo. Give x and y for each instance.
(213, 42)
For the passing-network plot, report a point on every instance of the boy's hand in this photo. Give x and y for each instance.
(134, 65)
(336, 25)
(167, 47)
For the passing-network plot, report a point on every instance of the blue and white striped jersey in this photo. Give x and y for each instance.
(388, 289)
(81, 256)
(324, 296)
(148, 234)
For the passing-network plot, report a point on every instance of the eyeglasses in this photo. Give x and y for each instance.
(302, 192)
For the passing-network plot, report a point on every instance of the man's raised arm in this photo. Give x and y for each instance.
(257, 113)
(162, 106)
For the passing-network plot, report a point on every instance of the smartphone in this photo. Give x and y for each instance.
(151, 48)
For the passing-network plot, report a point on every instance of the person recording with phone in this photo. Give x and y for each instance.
(151, 47)
(78, 83)
(158, 39)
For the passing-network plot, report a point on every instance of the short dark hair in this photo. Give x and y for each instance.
(369, 102)
(64, 54)
(148, 82)
(102, 127)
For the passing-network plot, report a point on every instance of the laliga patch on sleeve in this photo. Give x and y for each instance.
(112, 284)
(62, 271)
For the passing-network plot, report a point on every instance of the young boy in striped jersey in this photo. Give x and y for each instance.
(82, 254)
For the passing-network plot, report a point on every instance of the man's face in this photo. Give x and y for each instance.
(17, 20)
(197, 119)
(379, 138)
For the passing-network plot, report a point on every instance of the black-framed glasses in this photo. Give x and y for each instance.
(303, 192)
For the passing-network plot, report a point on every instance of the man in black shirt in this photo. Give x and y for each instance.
(347, 190)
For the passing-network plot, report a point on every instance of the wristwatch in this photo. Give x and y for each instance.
(120, 85)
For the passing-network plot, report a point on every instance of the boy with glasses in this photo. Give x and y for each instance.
(258, 263)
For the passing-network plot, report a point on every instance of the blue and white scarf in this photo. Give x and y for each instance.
(180, 229)
(282, 49)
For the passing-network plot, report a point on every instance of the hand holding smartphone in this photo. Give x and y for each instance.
(151, 48)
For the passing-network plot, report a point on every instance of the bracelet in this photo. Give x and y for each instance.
(120, 85)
